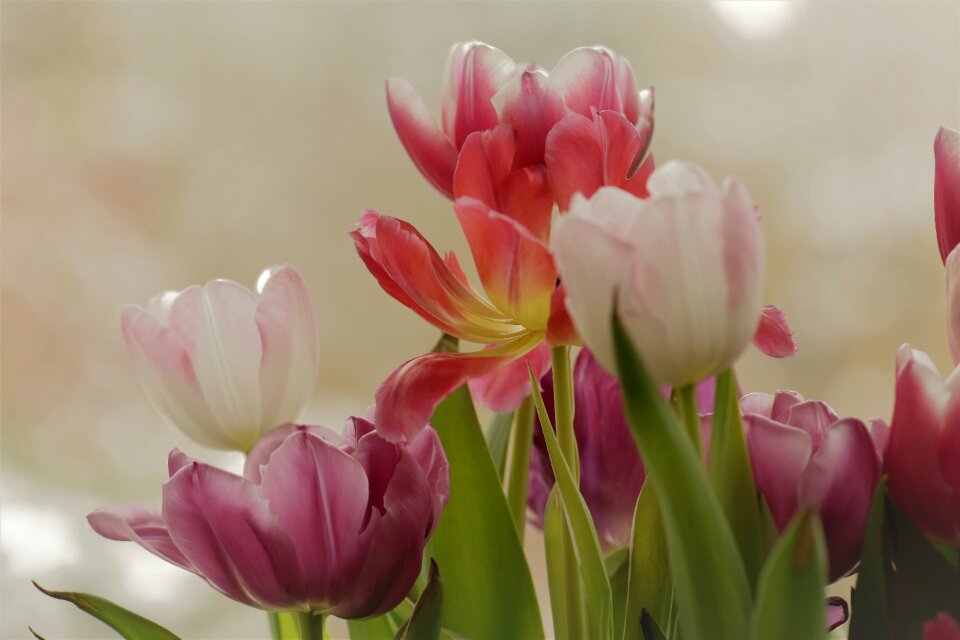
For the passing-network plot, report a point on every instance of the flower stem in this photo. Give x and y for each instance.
(687, 396)
(563, 407)
(520, 447)
(310, 625)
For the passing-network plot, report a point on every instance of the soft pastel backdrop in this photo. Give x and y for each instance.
(153, 145)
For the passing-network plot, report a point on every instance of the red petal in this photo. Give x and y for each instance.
(503, 389)
(946, 189)
(475, 72)
(560, 329)
(532, 106)
(774, 336)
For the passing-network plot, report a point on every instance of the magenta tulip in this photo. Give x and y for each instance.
(942, 627)
(922, 457)
(803, 455)
(318, 522)
(946, 189)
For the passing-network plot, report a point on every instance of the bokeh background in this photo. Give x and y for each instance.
(150, 145)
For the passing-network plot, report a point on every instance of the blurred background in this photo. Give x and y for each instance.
(148, 146)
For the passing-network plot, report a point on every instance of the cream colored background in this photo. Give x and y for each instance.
(153, 145)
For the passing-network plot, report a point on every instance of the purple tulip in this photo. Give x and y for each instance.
(803, 455)
(318, 523)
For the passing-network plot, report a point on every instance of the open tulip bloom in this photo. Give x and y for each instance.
(671, 504)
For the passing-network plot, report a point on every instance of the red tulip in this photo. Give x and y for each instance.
(946, 189)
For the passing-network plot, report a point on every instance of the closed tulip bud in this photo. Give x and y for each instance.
(318, 522)
(684, 265)
(224, 364)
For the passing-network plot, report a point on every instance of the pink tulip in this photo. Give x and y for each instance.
(923, 450)
(685, 265)
(803, 455)
(225, 364)
(946, 189)
(318, 522)
(942, 627)
(953, 303)
(483, 88)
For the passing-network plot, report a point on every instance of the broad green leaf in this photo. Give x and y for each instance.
(424, 622)
(488, 586)
(498, 437)
(649, 586)
(790, 598)
(567, 621)
(127, 623)
(283, 626)
(731, 476)
(377, 628)
(618, 572)
(869, 620)
(598, 596)
(712, 590)
(649, 628)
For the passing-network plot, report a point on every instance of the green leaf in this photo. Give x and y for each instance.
(489, 589)
(790, 598)
(519, 475)
(711, 584)
(599, 598)
(127, 623)
(377, 628)
(649, 586)
(424, 622)
(283, 626)
(869, 620)
(649, 628)
(618, 573)
(498, 437)
(731, 476)
(567, 620)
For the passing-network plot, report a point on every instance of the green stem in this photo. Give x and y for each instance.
(576, 621)
(563, 407)
(519, 464)
(310, 625)
(687, 396)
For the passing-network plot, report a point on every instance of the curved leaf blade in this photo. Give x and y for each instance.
(424, 622)
(648, 557)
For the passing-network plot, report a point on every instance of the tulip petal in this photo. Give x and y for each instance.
(431, 151)
(591, 78)
(146, 527)
(475, 72)
(411, 270)
(756, 403)
(216, 324)
(502, 390)
(879, 433)
(165, 372)
(427, 450)
(225, 529)
(778, 455)
(532, 106)
(260, 453)
(946, 189)
(839, 482)
(942, 627)
(319, 495)
(837, 612)
(407, 398)
(290, 345)
(814, 417)
(953, 304)
(516, 269)
(783, 401)
(774, 336)
(560, 329)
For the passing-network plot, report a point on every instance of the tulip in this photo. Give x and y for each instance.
(804, 456)
(942, 627)
(953, 304)
(685, 266)
(483, 88)
(923, 450)
(946, 189)
(318, 522)
(223, 364)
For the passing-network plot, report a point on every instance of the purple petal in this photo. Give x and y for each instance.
(428, 452)
(778, 454)
(146, 527)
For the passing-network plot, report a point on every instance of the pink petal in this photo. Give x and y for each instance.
(319, 495)
(406, 399)
(760, 404)
(502, 390)
(953, 304)
(144, 526)
(260, 453)
(290, 344)
(813, 416)
(879, 433)
(224, 528)
(411, 270)
(427, 450)
(433, 153)
(942, 627)
(475, 72)
(516, 269)
(778, 454)
(532, 106)
(783, 401)
(837, 612)
(946, 189)
(840, 481)
(591, 78)
(774, 336)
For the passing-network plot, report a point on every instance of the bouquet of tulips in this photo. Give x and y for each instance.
(615, 297)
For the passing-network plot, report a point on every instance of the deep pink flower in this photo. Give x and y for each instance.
(922, 457)
(943, 627)
(803, 455)
(946, 189)
(318, 522)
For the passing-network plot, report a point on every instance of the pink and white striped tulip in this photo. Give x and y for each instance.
(318, 522)
(922, 458)
(946, 189)
(803, 455)
(224, 364)
(685, 266)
